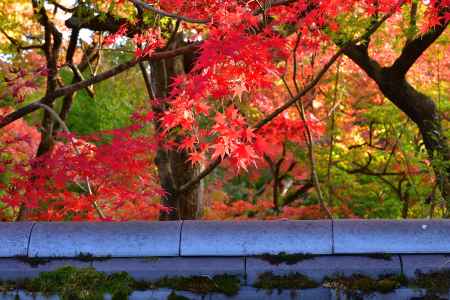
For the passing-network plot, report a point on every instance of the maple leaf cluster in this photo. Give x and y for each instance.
(236, 64)
(21, 81)
(80, 180)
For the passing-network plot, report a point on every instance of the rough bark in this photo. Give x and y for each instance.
(53, 41)
(51, 48)
(173, 168)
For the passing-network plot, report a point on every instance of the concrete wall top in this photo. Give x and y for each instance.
(389, 236)
(128, 239)
(14, 238)
(223, 238)
(215, 238)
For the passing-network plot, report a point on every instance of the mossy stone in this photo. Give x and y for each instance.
(387, 285)
(89, 257)
(269, 281)
(34, 262)
(86, 284)
(225, 284)
(359, 284)
(434, 283)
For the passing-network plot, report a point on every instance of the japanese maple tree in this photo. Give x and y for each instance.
(231, 81)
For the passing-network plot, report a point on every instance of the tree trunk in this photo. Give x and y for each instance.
(422, 110)
(51, 48)
(418, 107)
(173, 168)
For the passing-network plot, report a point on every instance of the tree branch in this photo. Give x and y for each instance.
(106, 22)
(297, 194)
(358, 52)
(167, 14)
(50, 98)
(18, 45)
(163, 13)
(89, 54)
(266, 120)
(283, 107)
(60, 6)
(413, 49)
(302, 93)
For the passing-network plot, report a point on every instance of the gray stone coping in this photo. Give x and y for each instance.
(149, 269)
(215, 238)
(245, 293)
(14, 238)
(389, 236)
(223, 238)
(128, 239)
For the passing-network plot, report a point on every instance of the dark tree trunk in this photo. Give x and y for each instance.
(422, 110)
(417, 106)
(173, 168)
(51, 48)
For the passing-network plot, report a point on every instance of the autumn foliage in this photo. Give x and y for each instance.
(338, 139)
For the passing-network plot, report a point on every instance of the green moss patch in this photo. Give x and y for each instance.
(225, 284)
(435, 283)
(88, 284)
(85, 283)
(7, 286)
(269, 281)
(358, 284)
(88, 257)
(283, 257)
(34, 262)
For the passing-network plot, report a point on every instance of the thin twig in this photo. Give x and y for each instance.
(332, 128)
(17, 43)
(69, 89)
(308, 134)
(266, 120)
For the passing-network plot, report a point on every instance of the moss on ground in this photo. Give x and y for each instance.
(283, 257)
(225, 284)
(357, 285)
(269, 281)
(34, 262)
(435, 283)
(7, 286)
(89, 257)
(88, 284)
(291, 259)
